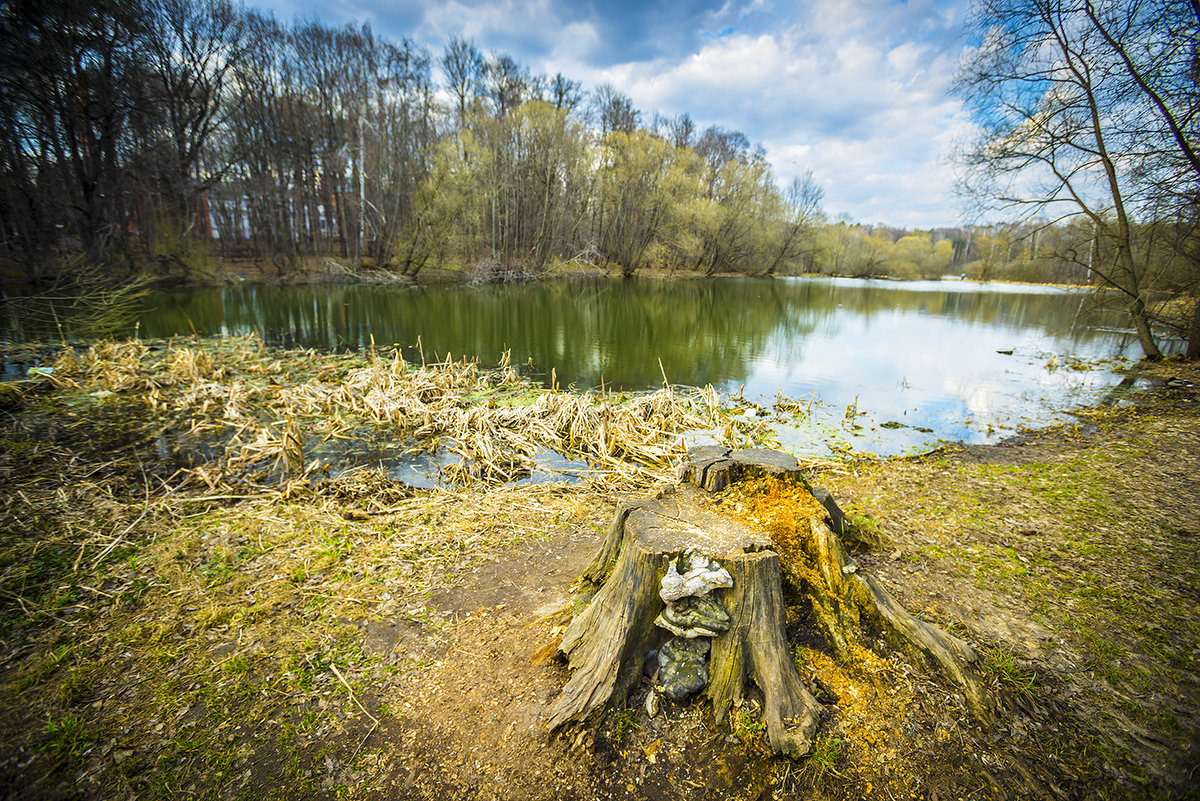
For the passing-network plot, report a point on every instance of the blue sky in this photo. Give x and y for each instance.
(855, 90)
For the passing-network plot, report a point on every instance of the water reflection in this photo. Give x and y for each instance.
(924, 355)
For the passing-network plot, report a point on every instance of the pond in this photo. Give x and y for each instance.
(879, 366)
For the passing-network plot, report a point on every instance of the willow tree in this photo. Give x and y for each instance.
(509, 188)
(642, 185)
(729, 217)
(792, 232)
(1087, 109)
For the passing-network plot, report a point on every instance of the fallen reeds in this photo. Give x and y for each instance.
(276, 409)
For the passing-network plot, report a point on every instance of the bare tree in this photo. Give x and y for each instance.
(614, 110)
(65, 80)
(565, 93)
(717, 147)
(192, 48)
(462, 65)
(1157, 42)
(505, 83)
(154, 131)
(1087, 109)
(681, 131)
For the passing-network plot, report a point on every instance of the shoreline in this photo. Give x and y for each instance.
(243, 639)
(440, 276)
(228, 272)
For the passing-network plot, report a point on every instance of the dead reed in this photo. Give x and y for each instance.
(269, 407)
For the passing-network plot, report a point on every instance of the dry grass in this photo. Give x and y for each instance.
(270, 407)
(227, 633)
(83, 464)
(145, 609)
(86, 485)
(157, 629)
(1072, 554)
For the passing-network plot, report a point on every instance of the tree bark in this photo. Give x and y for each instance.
(607, 643)
(1141, 324)
(757, 646)
(1193, 344)
(848, 601)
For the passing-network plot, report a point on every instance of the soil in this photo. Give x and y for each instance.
(295, 646)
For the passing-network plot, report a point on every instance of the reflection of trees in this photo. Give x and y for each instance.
(1055, 313)
(704, 332)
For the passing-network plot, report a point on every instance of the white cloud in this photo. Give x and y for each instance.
(577, 42)
(832, 93)
(856, 90)
(487, 22)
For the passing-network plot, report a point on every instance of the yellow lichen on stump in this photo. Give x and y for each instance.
(768, 526)
(846, 601)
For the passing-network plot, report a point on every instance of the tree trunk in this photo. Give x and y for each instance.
(1141, 324)
(607, 644)
(1193, 343)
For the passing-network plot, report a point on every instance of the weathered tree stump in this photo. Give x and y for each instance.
(634, 614)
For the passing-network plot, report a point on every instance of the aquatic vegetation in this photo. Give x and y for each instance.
(276, 411)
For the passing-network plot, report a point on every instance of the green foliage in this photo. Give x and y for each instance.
(824, 756)
(862, 527)
(529, 188)
(173, 249)
(624, 721)
(748, 724)
(74, 687)
(510, 189)
(643, 184)
(68, 738)
(1001, 664)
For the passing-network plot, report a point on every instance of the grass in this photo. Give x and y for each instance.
(1090, 533)
(220, 622)
(824, 757)
(68, 739)
(1071, 569)
(747, 724)
(623, 721)
(219, 602)
(1002, 665)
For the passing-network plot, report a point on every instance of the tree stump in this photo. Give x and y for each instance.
(683, 537)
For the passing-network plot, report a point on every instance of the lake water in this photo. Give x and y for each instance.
(883, 367)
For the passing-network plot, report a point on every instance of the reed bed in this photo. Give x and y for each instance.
(275, 409)
(204, 525)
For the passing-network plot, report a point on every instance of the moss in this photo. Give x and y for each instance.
(1087, 529)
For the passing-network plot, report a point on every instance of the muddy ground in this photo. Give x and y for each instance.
(354, 638)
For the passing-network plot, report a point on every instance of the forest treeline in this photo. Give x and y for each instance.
(162, 130)
(155, 135)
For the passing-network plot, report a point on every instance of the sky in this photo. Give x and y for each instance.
(858, 91)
